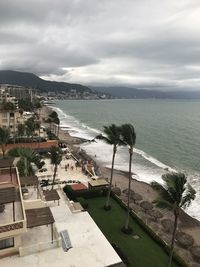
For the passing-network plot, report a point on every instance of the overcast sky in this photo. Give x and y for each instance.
(143, 43)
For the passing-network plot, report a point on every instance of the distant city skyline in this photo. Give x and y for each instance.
(142, 43)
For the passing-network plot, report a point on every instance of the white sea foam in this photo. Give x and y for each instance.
(145, 167)
(153, 160)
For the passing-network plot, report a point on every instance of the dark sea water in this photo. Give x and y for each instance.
(168, 135)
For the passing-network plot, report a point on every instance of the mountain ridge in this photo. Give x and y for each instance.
(31, 80)
(134, 93)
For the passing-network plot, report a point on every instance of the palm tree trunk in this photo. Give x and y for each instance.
(58, 130)
(25, 166)
(129, 189)
(54, 175)
(173, 238)
(111, 177)
(3, 148)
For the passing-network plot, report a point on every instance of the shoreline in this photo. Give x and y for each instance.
(188, 224)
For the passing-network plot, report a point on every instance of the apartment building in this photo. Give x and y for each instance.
(19, 92)
(10, 115)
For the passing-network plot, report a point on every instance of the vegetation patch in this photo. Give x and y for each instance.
(142, 252)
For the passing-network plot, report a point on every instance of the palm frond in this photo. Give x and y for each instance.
(175, 193)
(163, 191)
(104, 139)
(111, 135)
(163, 204)
(188, 196)
(128, 135)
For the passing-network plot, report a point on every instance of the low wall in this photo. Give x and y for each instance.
(34, 204)
(33, 145)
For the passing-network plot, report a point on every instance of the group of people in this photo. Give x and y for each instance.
(67, 167)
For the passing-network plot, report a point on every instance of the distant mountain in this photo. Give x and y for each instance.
(31, 80)
(127, 92)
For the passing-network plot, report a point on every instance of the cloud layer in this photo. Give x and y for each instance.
(143, 43)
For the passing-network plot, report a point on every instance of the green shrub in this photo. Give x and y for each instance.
(83, 202)
(85, 193)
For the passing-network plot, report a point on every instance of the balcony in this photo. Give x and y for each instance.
(12, 214)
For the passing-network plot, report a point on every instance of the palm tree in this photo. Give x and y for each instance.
(175, 193)
(4, 137)
(56, 158)
(112, 137)
(128, 136)
(28, 158)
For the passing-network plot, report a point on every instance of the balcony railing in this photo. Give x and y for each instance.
(13, 228)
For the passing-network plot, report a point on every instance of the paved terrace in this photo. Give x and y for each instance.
(72, 173)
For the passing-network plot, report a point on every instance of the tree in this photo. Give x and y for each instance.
(30, 127)
(53, 115)
(28, 158)
(25, 104)
(9, 106)
(4, 137)
(21, 129)
(112, 137)
(175, 193)
(128, 136)
(56, 158)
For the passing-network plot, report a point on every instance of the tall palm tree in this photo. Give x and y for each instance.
(4, 137)
(175, 193)
(56, 158)
(112, 137)
(128, 136)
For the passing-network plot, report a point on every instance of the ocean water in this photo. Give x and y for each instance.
(168, 135)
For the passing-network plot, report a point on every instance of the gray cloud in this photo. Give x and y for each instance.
(143, 43)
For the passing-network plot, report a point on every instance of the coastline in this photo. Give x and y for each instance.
(187, 223)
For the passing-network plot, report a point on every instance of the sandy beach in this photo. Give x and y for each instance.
(187, 224)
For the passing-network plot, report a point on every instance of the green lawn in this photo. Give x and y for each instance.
(142, 252)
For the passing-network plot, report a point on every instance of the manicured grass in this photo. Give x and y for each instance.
(142, 252)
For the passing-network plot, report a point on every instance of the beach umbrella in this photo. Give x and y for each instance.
(117, 191)
(167, 225)
(135, 207)
(184, 240)
(154, 226)
(146, 205)
(195, 251)
(123, 198)
(156, 214)
(136, 197)
(125, 191)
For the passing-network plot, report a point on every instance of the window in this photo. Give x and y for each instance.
(7, 243)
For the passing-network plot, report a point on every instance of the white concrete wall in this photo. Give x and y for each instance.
(34, 204)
